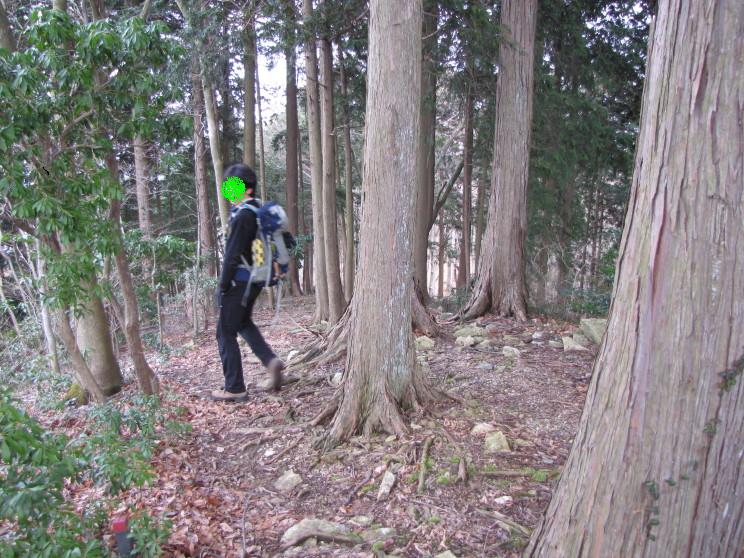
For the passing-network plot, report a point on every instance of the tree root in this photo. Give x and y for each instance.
(422, 466)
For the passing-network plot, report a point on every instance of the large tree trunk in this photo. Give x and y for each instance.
(316, 167)
(425, 198)
(350, 257)
(656, 467)
(94, 341)
(249, 85)
(82, 371)
(380, 376)
(293, 131)
(500, 286)
(467, 186)
(200, 171)
(143, 190)
(336, 300)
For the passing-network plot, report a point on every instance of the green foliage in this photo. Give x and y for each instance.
(41, 466)
(148, 535)
(69, 89)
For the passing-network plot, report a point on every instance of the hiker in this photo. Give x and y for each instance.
(235, 310)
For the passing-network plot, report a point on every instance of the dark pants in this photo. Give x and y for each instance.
(236, 319)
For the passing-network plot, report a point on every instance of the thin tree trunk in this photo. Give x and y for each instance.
(261, 150)
(225, 110)
(307, 262)
(214, 150)
(143, 190)
(442, 252)
(9, 310)
(350, 258)
(500, 286)
(291, 146)
(316, 167)
(249, 86)
(200, 177)
(656, 466)
(381, 377)
(336, 301)
(146, 378)
(480, 218)
(46, 322)
(425, 156)
(467, 187)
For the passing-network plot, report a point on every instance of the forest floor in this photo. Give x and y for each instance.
(217, 484)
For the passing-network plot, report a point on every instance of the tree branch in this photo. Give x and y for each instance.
(444, 192)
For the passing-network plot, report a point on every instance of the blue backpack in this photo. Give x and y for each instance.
(270, 248)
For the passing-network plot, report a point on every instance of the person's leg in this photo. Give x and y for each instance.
(251, 333)
(258, 344)
(231, 315)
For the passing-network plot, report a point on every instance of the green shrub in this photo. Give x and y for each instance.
(39, 466)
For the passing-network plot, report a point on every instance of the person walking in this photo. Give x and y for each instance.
(234, 317)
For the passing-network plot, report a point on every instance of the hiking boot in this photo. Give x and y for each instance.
(222, 395)
(275, 368)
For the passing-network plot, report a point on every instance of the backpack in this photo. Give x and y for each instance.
(270, 249)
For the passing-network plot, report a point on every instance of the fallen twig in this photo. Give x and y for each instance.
(504, 522)
(358, 487)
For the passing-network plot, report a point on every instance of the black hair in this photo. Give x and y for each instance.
(244, 172)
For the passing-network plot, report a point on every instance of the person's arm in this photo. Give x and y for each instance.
(241, 235)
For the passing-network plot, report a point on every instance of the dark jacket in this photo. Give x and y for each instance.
(243, 228)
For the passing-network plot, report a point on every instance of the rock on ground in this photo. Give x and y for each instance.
(321, 529)
(482, 428)
(594, 328)
(424, 343)
(465, 341)
(496, 442)
(470, 331)
(581, 339)
(510, 352)
(288, 481)
(388, 480)
(570, 345)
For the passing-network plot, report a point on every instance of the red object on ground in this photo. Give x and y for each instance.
(120, 524)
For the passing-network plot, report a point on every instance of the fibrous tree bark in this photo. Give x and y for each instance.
(336, 301)
(293, 131)
(500, 285)
(316, 164)
(655, 469)
(425, 157)
(381, 376)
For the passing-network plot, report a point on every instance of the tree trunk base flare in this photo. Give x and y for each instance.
(421, 317)
(332, 346)
(505, 302)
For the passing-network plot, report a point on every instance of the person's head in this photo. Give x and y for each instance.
(247, 175)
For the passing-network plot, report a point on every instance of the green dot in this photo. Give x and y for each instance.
(233, 188)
